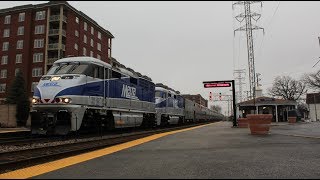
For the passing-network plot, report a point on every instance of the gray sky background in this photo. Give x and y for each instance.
(182, 44)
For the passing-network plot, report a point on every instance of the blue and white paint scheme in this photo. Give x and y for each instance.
(169, 106)
(79, 84)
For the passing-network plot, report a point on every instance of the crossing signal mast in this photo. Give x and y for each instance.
(210, 96)
(248, 15)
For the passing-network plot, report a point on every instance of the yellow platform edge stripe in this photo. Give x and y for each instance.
(61, 163)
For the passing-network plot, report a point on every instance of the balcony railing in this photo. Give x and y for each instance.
(52, 60)
(53, 32)
(57, 18)
(55, 46)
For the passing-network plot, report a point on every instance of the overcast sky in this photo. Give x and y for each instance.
(182, 44)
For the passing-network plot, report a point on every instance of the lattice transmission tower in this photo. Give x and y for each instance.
(248, 15)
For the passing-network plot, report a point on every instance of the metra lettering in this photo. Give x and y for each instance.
(50, 84)
(129, 92)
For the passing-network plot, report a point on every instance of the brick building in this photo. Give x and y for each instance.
(197, 98)
(32, 37)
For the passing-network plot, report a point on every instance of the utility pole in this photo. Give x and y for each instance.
(240, 79)
(248, 27)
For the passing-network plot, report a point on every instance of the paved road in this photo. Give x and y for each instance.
(213, 151)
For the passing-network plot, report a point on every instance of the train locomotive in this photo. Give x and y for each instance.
(87, 93)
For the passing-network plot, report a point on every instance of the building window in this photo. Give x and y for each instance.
(99, 46)
(16, 71)
(84, 38)
(99, 35)
(21, 17)
(19, 58)
(20, 44)
(5, 46)
(76, 46)
(33, 86)
(37, 57)
(85, 26)
(38, 43)
(91, 42)
(39, 29)
(76, 33)
(91, 54)
(2, 88)
(92, 31)
(4, 60)
(7, 19)
(36, 72)
(21, 30)
(6, 33)
(40, 15)
(3, 73)
(84, 51)
(98, 56)
(109, 43)
(77, 20)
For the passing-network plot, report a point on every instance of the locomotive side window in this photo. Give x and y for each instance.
(101, 73)
(158, 94)
(164, 95)
(95, 71)
(133, 80)
(174, 96)
(169, 95)
(115, 74)
(107, 73)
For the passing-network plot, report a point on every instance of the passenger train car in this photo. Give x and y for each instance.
(84, 92)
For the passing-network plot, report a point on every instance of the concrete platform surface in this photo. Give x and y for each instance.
(213, 151)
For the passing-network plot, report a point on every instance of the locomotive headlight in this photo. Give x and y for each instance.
(66, 100)
(35, 100)
(55, 78)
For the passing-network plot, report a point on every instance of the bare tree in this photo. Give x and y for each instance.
(313, 80)
(216, 108)
(287, 88)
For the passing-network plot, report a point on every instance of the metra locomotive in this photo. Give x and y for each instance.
(84, 92)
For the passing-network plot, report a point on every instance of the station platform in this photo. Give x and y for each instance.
(13, 130)
(208, 152)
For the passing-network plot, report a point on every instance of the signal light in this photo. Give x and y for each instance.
(220, 96)
(210, 96)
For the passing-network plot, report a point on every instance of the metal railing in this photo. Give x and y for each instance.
(56, 46)
(57, 18)
(56, 32)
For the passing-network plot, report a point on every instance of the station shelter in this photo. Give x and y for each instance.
(267, 105)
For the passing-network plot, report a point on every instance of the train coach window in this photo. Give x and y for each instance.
(174, 96)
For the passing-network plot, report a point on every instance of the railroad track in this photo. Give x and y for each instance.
(27, 157)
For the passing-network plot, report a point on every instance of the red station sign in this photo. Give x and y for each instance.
(210, 85)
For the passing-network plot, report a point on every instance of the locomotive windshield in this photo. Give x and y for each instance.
(67, 68)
